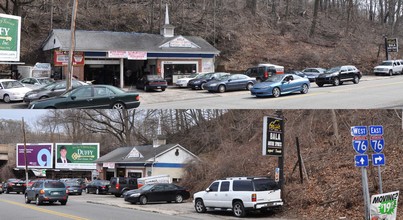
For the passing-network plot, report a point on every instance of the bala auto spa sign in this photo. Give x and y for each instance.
(37, 155)
(384, 206)
(76, 156)
(10, 34)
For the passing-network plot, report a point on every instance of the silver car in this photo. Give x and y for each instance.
(313, 73)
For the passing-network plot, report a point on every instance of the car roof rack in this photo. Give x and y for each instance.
(246, 178)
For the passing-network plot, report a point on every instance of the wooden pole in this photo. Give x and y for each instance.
(25, 153)
(72, 45)
(299, 162)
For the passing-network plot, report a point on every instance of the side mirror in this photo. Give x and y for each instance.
(208, 190)
(73, 97)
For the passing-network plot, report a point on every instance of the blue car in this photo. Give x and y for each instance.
(230, 82)
(281, 84)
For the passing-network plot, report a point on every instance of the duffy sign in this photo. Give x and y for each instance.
(76, 156)
(10, 32)
(37, 155)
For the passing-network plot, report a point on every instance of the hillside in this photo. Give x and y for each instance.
(333, 188)
(244, 37)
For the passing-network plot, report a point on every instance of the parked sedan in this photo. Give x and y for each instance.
(183, 82)
(157, 193)
(152, 82)
(51, 90)
(36, 82)
(230, 82)
(47, 191)
(12, 90)
(14, 185)
(312, 73)
(281, 84)
(90, 96)
(98, 187)
(200, 80)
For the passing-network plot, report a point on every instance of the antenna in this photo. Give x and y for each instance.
(159, 127)
(166, 14)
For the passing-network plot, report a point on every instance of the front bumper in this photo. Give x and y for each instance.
(264, 92)
(324, 80)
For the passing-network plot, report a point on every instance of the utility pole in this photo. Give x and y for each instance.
(72, 45)
(25, 152)
(51, 15)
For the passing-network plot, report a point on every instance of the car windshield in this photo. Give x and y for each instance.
(194, 75)
(334, 69)
(12, 84)
(386, 63)
(274, 78)
(52, 85)
(45, 81)
(147, 187)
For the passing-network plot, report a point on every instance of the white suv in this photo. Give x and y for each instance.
(239, 194)
(389, 67)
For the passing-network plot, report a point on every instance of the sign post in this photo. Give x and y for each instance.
(377, 145)
(360, 145)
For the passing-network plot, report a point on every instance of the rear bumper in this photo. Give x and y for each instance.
(268, 205)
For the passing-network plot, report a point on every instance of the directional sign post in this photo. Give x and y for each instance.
(360, 144)
(361, 160)
(377, 145)
(378, 159)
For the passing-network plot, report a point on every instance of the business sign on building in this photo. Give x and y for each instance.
(273, 136)
(384, 206)
(10, 37)
(392, 44)
(61, 58)
(76, 156)
(36, 155)
(130, 55)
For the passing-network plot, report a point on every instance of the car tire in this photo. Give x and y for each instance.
(390, 73)
(97, 192)
(276, 92)
(336, 81)
(249, 86)
(80, 194)
(145, 89)
(238, 209)
(118, 105)
(304, 89)
(143, 200)
(163, 89)
(319, 84)
(178, 198)
(199, 206)
(86, 191)
(38, 201)
(258, 80)
(6, 98)
(117, 195)
(356, 79)
(221, 88)
(63, 202)
(7, 192)
(27, 201)
(202, 86)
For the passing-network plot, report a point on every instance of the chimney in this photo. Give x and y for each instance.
(160, 140)
(167, 30)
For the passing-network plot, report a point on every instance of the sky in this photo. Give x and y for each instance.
(29, 115)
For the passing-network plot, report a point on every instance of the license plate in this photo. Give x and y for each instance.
(18, 184)
(75, 190)
(158, 87)
(55, 193)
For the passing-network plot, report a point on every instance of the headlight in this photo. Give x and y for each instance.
(135, 195)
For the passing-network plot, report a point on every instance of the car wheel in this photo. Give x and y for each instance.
(7, 192)
(27, 201)
(117, 195)
(249, 86)
(319, 84)
(86, 191)
(43, 97)
(258, 80)
(178, 198)
(305, 89)
(202, 86)
(390, 73)
(276, 92)
(356, 80)
(163, 89)
(97, 192)
(38, 201)
(143, 200)
(221, 88)
(6, 98)
(63, 202)
(199, 206)
(238, 209)
(145, 88)
(336, 81)
(80, 194)
(118, 105)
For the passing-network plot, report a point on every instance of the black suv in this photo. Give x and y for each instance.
(14, 185)
(119, 185)
(338, 75)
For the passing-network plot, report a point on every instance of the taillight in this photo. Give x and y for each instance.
(117, 186)
(41, 191)
(266, 74)
(67, 191)
(103, 187)
(138, 98)
(11, 184)
(254, 197)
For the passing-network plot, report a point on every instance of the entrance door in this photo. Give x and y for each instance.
(168, 73)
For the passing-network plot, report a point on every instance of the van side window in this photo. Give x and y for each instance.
(214, 187)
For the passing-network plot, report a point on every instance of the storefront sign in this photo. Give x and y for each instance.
(61, 58)
(76, 156)
(273, 136)
(37, 155)
(10, 32)
(180, 42)
(136, 55)
(117, 54)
